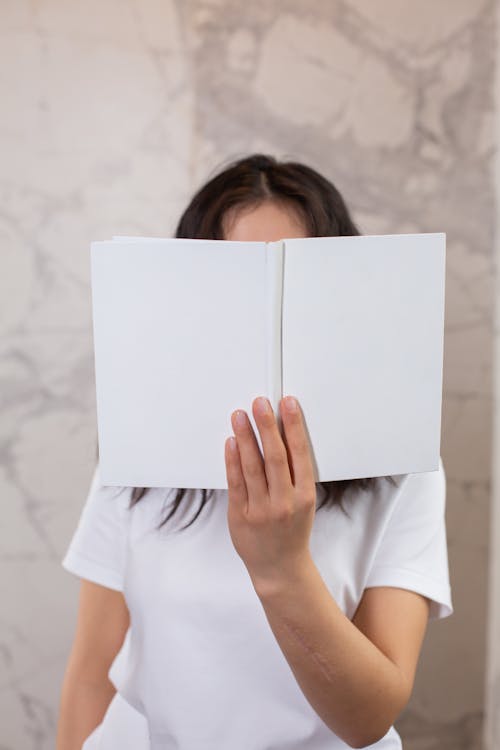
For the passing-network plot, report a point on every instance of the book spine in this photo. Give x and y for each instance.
(275, 255)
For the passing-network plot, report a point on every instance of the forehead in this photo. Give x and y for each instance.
(266, 222)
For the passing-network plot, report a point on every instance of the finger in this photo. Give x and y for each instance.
(297, 444)
(277, 469)
(237, 491)
(250, 456)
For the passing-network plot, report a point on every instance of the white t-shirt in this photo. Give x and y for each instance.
(200, 661)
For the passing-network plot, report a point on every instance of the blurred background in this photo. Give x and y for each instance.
(111, 113)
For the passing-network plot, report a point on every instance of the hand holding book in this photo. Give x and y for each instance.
(271, 499)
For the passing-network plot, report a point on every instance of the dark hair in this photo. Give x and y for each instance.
(246, 183)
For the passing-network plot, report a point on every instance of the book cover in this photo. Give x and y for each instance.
(186, 331)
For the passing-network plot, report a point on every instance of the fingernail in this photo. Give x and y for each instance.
(290, 404)
(262, 405)
(240, 418)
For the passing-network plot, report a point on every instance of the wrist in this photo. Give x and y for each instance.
(281, 581)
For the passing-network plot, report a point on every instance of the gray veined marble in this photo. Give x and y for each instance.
(112, 113)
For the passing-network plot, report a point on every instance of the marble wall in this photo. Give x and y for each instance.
(111, 114)
(492, 685)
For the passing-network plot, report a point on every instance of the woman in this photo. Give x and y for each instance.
(270, 620)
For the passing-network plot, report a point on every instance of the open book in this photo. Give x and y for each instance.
(187, 331)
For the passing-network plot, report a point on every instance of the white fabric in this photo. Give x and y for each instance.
(200, 664)
(122, 727)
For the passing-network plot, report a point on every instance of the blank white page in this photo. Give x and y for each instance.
(180, 342)
(363, 324)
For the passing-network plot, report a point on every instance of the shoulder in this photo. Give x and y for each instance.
(376, 504)
(411, 550)
(106, 499)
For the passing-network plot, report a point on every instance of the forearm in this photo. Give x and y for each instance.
(82, 708)
(355, 689)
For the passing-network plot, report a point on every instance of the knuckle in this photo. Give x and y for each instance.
(300, 448)
(236, 485)
(309, 499)
(282, 514)
(257, 517)
(276, 456)
(234, 498)
(253, 469)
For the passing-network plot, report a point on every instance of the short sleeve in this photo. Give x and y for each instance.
(97, 551)
(412, 553)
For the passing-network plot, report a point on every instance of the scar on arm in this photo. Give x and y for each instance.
(314, 655)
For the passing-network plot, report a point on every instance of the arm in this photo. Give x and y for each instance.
(102, 623)
(358, 676)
